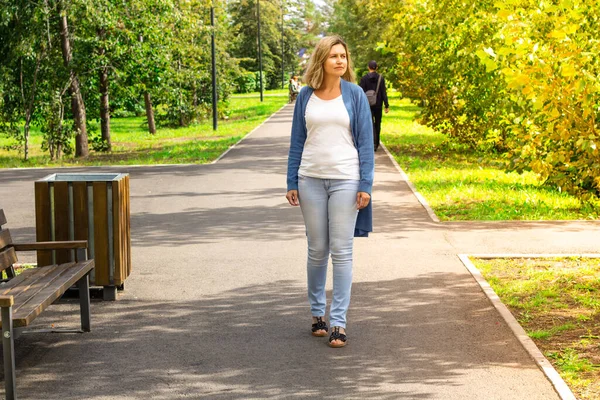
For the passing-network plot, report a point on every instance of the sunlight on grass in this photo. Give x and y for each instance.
(133, 145)
(464, 185)
(557, 301)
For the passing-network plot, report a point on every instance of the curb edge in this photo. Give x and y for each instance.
(561, 388)
(418, 195)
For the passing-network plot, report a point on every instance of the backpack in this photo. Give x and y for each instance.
(372, 94)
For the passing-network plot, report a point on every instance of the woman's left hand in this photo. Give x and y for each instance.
(362, 200)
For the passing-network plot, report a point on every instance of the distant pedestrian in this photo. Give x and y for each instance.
(294, 88)
(375, 84)
(330, 176)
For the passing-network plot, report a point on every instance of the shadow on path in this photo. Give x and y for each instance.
(252, 342)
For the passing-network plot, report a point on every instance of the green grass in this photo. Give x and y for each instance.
(133, 145)
(460, 184)
(18, 269)
(268, 93)
(557, 301)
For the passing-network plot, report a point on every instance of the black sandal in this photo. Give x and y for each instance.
(320, 325)
(336, 335)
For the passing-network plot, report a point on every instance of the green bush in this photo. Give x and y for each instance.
(246, 82)
(517, 77)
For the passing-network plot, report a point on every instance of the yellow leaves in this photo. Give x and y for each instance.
(572, 28)
(490, 65)
(508, 72)
(538, 104)
(580, 85)
(537, 166)
(481, 54)
(557, 34)
(542, 81)
(460, 103)
(486, 57)
(518, 80)
(504, 14)
(567, 70)
(529, 92)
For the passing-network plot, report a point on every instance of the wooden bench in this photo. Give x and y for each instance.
(25, 296)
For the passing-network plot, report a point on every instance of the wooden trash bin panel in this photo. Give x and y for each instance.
(92, 207)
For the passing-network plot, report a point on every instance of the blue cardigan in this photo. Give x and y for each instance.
(361, 125)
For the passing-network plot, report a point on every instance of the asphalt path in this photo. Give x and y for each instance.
(216, 305)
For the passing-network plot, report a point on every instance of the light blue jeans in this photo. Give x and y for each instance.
(329, 210)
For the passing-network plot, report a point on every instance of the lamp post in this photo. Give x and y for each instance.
(282, 50)
(260, 72)
(214, 67)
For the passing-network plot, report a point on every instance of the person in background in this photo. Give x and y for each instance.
(370, 82)
(330, 176)
(294, 88)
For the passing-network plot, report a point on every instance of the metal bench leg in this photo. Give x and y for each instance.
(84, 302)
(8, 348)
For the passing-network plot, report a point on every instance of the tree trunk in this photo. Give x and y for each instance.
(148, 102)
(195, 95)
(149, 113)
(77, 105)
(104, 104)
(181, 114)
(104, 108)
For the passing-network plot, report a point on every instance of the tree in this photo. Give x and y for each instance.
(23, 48)
(362, 26)
(77, 103)
(516, 78)
(302, 24)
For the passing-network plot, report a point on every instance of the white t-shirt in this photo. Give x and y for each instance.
(329, 151)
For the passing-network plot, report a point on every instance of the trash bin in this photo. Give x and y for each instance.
(92, 207)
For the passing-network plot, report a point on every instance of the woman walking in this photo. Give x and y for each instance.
(330, 176)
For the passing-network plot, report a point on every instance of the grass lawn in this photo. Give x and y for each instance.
(463, 185)
(557, 302)
(133, 145)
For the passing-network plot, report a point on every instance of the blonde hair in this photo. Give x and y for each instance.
(313, 76)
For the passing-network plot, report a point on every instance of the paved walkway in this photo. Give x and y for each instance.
(216, 306)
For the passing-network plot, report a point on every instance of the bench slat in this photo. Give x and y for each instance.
(16, 281)
(46, 279)
(5, 238)
(66, 277)
(26, 283)
(7, 258)
(71, 244)
(47, 289)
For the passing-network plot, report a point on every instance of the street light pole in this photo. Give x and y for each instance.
(214, 67)
(259, 50)
(282, 50)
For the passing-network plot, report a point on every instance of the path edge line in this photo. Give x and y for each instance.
(248, 134)
(412, 187)
(534, 352)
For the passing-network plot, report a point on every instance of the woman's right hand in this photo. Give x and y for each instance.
(292, 197)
